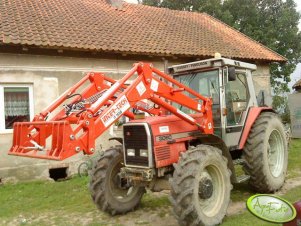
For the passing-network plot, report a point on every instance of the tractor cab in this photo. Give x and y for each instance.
(229, 83)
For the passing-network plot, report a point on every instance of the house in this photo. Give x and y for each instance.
(295, 109)
(47, 45)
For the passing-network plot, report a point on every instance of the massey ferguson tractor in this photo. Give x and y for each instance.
(200, 121)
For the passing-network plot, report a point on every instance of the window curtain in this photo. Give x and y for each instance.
(16, 101)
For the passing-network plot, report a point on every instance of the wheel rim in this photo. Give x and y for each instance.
(84, 169)
(212, 199)
(275, 153)
(121, 194)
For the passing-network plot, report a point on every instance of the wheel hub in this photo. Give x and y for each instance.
(205, 188)
(121, 182)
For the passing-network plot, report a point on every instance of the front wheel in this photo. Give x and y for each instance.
(106, 192)
(200, 187)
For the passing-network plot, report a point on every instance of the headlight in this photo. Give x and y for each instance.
(131, 152)
(143, 152)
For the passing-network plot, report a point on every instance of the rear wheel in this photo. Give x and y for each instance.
(265, 153)
(200, 187)
(105, 188)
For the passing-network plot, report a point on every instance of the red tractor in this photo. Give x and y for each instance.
(202, 120)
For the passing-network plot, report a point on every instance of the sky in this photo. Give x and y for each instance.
(296, 75)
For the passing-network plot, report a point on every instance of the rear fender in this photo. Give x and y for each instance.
(253, 114)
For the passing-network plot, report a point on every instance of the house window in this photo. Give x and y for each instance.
(16, 104)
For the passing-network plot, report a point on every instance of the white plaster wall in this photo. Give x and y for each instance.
(261, 78)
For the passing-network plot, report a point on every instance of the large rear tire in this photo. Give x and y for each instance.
(200, 187)
(265, 154)
(105, 190)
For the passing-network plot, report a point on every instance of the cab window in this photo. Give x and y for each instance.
(237, 98)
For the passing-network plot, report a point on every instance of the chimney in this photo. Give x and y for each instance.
(116, 3)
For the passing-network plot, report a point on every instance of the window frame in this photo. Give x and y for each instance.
(243, 116)
(200, 74)
(2, 112)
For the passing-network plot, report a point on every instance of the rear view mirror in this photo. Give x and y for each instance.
(231, 74)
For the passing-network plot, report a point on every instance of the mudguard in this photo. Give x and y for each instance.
(253, 114)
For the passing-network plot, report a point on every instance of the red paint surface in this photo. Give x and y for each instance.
(253, 114)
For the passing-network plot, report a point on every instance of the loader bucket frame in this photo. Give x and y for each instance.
(90, 112)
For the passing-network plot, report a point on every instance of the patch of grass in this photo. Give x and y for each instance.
(58, 202)
(294, 163)
(162, 214)
(40, 196)
(241, 192)
(152, 202)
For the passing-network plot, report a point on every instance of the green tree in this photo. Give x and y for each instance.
(212, 7)
(274, 23)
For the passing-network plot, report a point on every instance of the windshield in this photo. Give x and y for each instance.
(206, 83)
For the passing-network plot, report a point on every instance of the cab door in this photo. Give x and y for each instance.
(236, 105)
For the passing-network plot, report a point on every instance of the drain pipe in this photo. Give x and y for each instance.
(165, 65)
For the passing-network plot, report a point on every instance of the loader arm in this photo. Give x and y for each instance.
(79, 123)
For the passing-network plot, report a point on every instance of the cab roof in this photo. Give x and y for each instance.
(210, 63)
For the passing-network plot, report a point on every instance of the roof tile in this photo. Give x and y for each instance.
(139, 29)
(297, 85)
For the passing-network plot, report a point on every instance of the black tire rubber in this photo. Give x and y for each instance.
(255, 154)
(185, 186)
(83, 169)
(103, 182)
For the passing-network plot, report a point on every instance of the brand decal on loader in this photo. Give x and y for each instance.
(141, 88)
(271, 208)
(154, 85)
(115, 111)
